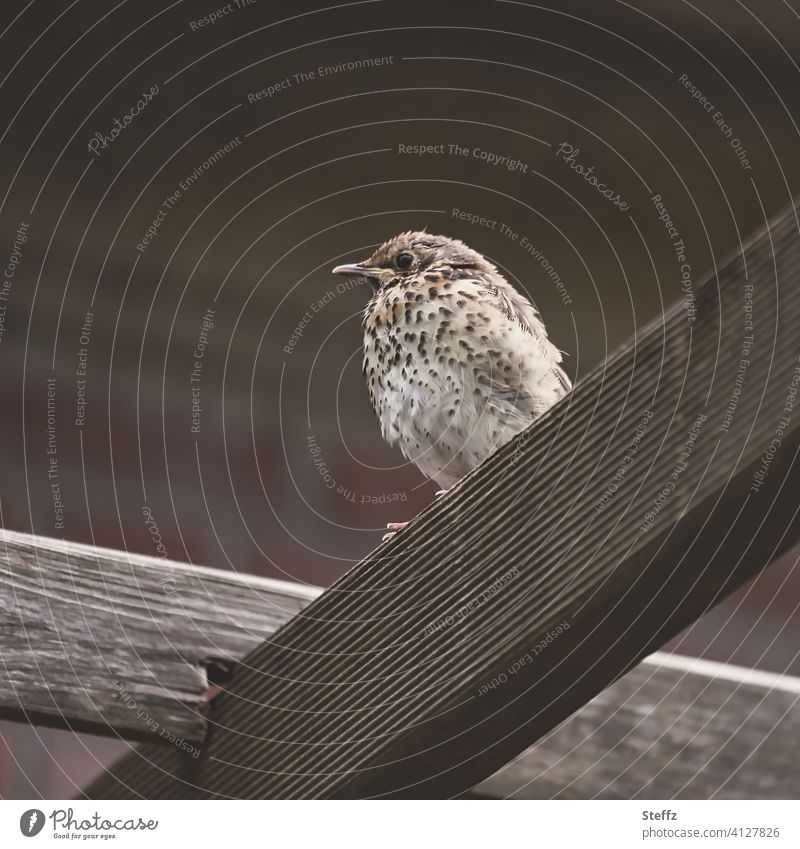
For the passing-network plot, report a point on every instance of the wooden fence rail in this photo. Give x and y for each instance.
(672, 728)
(115, 643)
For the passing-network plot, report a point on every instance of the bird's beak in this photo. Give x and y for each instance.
(357, 269)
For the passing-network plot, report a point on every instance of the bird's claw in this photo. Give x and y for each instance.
(393, 527)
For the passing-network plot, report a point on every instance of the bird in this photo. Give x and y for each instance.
(456, 360)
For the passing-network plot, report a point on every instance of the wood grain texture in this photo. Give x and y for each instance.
(664, 733)
(119, 644)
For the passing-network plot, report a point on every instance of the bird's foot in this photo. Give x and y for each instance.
(393, 527)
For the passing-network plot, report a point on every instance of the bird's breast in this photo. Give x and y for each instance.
(404, 367)
(449, 377)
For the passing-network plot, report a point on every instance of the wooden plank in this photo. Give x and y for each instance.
(669, 729)
(533, 585)
(115, 643)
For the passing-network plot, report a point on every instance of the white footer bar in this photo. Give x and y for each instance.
(351, 825)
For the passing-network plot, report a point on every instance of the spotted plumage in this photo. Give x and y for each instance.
(456, 360)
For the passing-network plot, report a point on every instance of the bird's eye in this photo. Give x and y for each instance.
(404, 261)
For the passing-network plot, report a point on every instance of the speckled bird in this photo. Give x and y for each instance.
(456, 360)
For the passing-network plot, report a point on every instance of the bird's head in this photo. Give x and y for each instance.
(415, 253)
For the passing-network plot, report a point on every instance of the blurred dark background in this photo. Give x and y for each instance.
(283, 471)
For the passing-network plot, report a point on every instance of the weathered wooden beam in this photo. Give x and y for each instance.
(115, 643)
(672, 728)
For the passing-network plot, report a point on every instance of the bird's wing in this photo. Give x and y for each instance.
(515, 307)
(512, 388)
